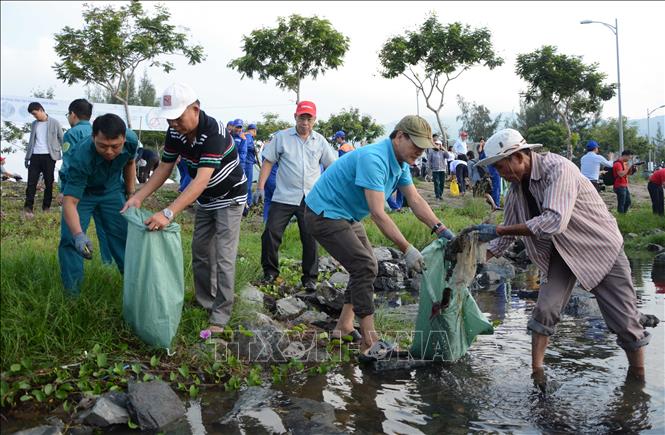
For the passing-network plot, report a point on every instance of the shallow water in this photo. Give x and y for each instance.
(487, 391)
(490, 389)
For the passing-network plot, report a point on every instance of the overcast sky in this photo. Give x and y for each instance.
(516, 27)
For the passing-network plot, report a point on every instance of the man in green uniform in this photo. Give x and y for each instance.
(100, 172)
(78, 116)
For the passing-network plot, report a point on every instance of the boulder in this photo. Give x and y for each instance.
(309, 417)
(330, 297)
(153, 405)
(252, 294)
(389, 284)
(290, 307)
(253, 413)
(339, 278)
(109, 409)
(57, 428)
(582, 304)
(311, 317)
(383, 254)
(392, 270)
(654, 247)
(328, 264)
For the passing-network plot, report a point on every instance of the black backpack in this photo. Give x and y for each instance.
(608, 176)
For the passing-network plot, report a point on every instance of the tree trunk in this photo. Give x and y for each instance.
(441, 129)
(129, 120)
(298, 93)
(569, 139)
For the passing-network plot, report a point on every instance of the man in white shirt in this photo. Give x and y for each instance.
(43, 150)
(591, 162)
(460, 144)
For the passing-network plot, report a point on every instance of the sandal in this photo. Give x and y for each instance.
(380, 350)
(354, 335)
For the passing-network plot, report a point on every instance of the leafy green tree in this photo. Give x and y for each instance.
(48, 94)
(434, 55)
(571, 86)
(297, 48)
(112, 44)
(606, 133)
(476, 119)
(146, 94)
(14, 136)
(270, 124)
(551, 134)
(359, 129)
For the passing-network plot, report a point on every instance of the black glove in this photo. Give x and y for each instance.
(18, 177)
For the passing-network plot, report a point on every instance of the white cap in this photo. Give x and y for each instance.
(175, 100)
(504, 143)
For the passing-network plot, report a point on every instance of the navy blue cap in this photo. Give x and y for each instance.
(591, 145)
(340, 134)
(237, 122)
(251, 127)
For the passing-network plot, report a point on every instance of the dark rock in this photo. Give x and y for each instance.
(396, 253)
(153, 405)
(258, 344)
(582, 304)
(290, 307)
(386, 268)
(413, 283)
(107, 412)
(328, 264)
(270, 303)
(309, 417)
(42, 430)
(254, 413)
(653, 247)
(331, 297)
(383, 254)
(311, 317)
(384, 283)
(81, 430)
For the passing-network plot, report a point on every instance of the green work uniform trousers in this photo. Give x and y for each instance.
(106, 207)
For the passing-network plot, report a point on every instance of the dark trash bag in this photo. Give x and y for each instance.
(445, 334)
(154, 282)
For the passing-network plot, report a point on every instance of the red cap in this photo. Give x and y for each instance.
(306, 107)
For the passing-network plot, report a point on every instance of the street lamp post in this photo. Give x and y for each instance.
(649, 112)
(615, 30)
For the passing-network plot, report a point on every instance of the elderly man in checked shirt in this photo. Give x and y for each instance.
(563, 222)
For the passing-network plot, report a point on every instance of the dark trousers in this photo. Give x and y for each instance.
(656, 194)
(623, 199)
(278, 219)
(40, 164)
(347, 242)
(439, 179)
(461, 172)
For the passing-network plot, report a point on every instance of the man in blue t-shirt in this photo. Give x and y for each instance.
(354, 187)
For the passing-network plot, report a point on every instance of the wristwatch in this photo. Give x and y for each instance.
(436, 227)
(168, 213)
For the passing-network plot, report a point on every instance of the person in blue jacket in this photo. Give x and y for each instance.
(494, 175)
(101, 171)
(250, 160)
(240, 140)
(78, 116)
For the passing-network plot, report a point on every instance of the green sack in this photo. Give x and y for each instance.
(447, 334)
(154, 282)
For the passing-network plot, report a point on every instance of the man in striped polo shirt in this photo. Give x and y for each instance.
(563, 222)
(219, 188)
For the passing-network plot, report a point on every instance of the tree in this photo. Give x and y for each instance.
(606, 133)
(13, 135)
(435, 55)
(572, 87)
(146, 95)
(48, 94)
(297, 48)
(359, 129)
(551, 134)
(476, 119)
(112, 43)
(270, 124)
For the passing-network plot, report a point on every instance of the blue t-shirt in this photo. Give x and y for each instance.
(340, 191)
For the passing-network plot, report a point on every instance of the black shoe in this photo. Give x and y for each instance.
(268, 278)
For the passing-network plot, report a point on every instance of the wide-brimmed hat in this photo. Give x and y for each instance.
(503, 144)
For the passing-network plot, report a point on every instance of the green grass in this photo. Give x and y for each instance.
(640, 220)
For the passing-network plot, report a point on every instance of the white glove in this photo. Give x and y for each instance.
(414, 259)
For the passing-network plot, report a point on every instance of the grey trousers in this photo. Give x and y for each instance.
(615, 295)
(214, 250)
(347, 242)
